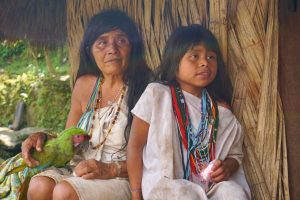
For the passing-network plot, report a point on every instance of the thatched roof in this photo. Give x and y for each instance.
(41, 22)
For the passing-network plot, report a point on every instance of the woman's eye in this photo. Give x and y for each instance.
(101, 43)
(122, 41)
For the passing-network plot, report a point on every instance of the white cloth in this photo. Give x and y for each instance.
(111, 151)
(113, 148)
(162, 166)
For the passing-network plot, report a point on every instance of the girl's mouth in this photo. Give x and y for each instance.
(203, 74)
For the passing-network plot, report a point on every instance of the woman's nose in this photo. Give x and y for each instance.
(112, 47)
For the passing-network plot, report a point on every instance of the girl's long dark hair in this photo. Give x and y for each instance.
(180, 41)
(137, 74)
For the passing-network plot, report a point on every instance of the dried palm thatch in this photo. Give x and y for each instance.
(42, 22)
(253, 55)
(156, 19)
(248, 34)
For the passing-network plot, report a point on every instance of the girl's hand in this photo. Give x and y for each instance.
(92, 169)
(222, 170)
(136, 195)
(34, 141)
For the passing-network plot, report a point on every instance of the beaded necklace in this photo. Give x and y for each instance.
(97, 105)
(200, 144)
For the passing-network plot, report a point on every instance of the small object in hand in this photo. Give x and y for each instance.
(74, 174)
(205, 174)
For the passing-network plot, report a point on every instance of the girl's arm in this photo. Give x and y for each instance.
(222, 170)
(137, 141)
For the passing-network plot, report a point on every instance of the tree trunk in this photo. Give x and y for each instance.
(49, 64)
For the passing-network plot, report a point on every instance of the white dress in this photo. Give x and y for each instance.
(162, 165)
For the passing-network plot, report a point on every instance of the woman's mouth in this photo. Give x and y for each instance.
(113, 60)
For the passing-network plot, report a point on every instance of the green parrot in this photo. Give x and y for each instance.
(15, 174)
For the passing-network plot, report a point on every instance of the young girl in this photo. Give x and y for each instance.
(183, 125)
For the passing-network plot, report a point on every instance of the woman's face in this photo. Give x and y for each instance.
(111, 52)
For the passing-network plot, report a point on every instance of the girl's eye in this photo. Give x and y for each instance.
(211, 57)
(194, 56)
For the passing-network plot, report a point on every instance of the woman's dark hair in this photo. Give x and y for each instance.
(183, 39)
(137, 74)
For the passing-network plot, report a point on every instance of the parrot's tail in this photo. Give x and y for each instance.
(11, 166)
(9, 176)
(17, 169)
(15, 177)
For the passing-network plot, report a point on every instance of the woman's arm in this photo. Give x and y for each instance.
(93, 169)
(34, 141)
(137, 141)
(76, 107)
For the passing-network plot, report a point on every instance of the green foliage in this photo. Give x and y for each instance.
(14, 88)
(19, 57)
(9, 49)
(24, 76)
(47, 99)
(52, 105)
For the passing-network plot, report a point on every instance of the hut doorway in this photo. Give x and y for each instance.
(289, 83)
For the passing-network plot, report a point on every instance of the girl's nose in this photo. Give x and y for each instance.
(203, 62)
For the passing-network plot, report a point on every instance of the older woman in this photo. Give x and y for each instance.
(111, 77)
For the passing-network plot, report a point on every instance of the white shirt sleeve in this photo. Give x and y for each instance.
(144, 107)
(230, 136)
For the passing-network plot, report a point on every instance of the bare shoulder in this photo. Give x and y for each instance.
(85, 81)
(224, 105)
(84, 84)
(83, 88)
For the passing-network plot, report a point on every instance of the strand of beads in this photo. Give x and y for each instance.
(96, 105)
(110, 102)
(113, 121)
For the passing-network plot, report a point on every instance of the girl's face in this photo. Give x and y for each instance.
(111, 52)
(197, 69)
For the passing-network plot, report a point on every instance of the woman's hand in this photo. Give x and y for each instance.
(92, 169)
(222, 170)
(34, 141)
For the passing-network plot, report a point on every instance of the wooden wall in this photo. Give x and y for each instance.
(289, 79)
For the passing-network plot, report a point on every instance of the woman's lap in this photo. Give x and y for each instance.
(91, 189)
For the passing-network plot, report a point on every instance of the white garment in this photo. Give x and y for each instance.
(162, 166)
(111, 151)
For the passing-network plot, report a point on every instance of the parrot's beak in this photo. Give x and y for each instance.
(79, 139)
